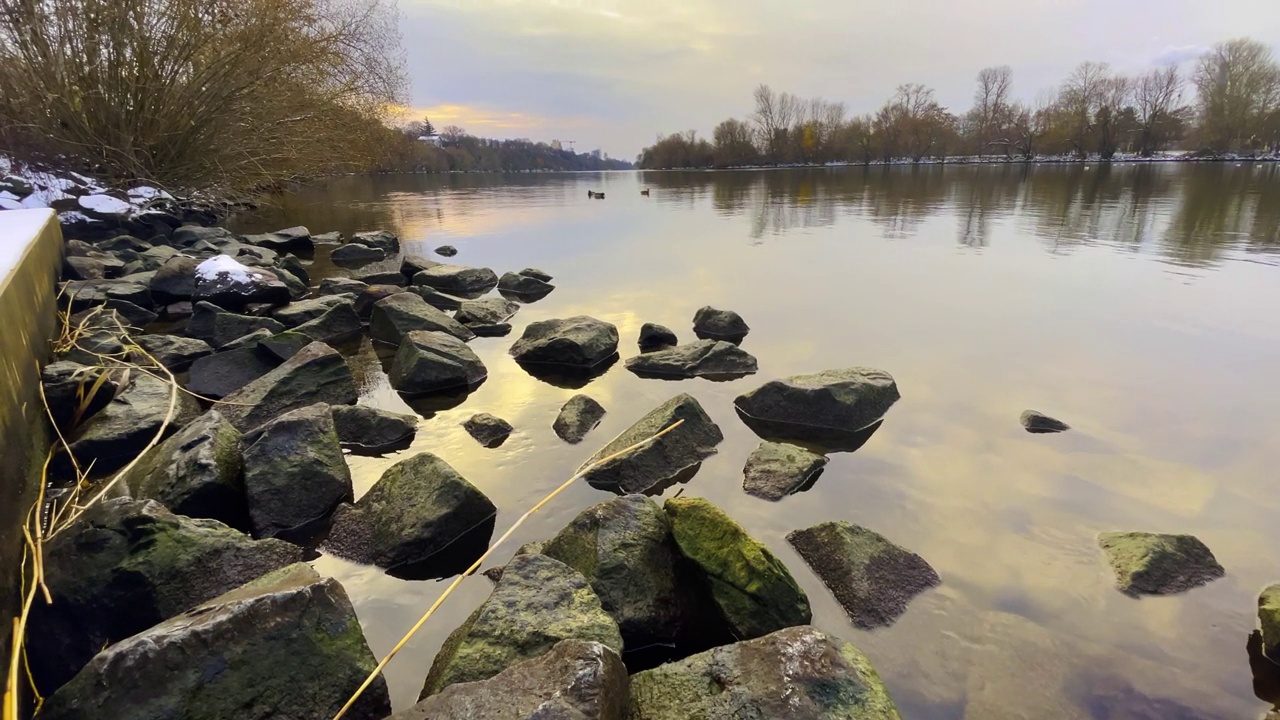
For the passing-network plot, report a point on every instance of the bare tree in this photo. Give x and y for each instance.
(1156, 96)
(1238, 87)
(1108, 114)
(1078, 101)
(990, 115)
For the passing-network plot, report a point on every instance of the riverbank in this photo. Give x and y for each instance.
(1118, 159)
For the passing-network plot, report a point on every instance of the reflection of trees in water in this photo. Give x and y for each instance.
(1225, 207)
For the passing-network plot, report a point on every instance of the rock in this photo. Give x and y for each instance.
(126, 565)
(576, 342)
(826, 407)
(134, 316)
(197, 472)
(173, 351)
(656, 337)
(537, 603)
(524, 285)
(380, 239)
(776, 470)
(578, 417)
(329, 238)
(250, 341)
(117, 433)
(799, 673)
(1156, 564)
(458, 279)
(418, 507)
(753, 589)
(16, 186)
(218, 327)
(872, 578)
(1039, 423)
(294, 266)
(123, 242)
(498, 330)
(437, 299)
(287, 646)
(1269, 620)
(488, 430)
(69, 384)
(370, 297)
(383, 277)
(188, 235)
(397, 315)
(174, 281)
(316, 374)
(296, 285)
(284, 345)
(575, 680)
(84, 268)
(341, 286)
(84, 294)
(356, 254)
(487, 311)
(429, 362)
(104, 207)
(372, 429)
(625, 550)
(222, 373)
(446, 251)
(302, 311)
(227, 283)
(537, 274)
(704, 358)
(657, 464)
(294, 238)
(178, 310)
(709, 322)
(337, 324)
(411, 265)
(294, 472)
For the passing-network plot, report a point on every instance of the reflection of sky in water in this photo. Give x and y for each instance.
(1137, 304)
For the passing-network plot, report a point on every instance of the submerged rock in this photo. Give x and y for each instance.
(829, 407)
(316, 374)
(799, 673)
(709, 322)
(294, 472)
(656, 337)
(537, 603)
(872, 578)
(488, 430)
(114, 436)
(173, 351)
(458, 279)
(218, 375)
(197, 472)
(287, 646)
(658, 463)
(218, 327)
(416, 509)
(575, 680)
(372, 429)
(1269, 621)
(579, 416)
(330, 238)
(577, 342)
(704, 358)
(1157, 564)
(397, 315)
(1037, 422)
(776, 470)
(752, 588)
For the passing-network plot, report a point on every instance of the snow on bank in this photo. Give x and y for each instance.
(226, 266)
(78, 197)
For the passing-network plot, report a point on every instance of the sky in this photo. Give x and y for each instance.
(615, 74)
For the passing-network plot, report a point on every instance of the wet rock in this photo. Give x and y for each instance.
(418, 507)
(397, 315)
(429, 362)
(458, 279)
(1269, 621)
(799, 673)
(174, 281)
(317, 374)
(537, 603)
(709, 322)
(126, 565)
(178, 310)
(338, 323)
(575, 680)
(579, 416)
(537, 274)
(294, 472)
(189, 235)
(382, 277)
(197, 472)
(498, 330)
(577, 342)
(660, 462)
(872, 578)
(294, 266)
(704, 358)
(488, 430)
(296, 285)
(329, 238)
(446, 251)
(133, 316)
(218, 327)
(524, 285)
(656, 337)
(303, 311)
(486, 311)
(248, 342)
(117, 433)
(84, 294)
(87, 268)
(752, 588)
(370, 297)
(287, 646)
(625, 550)
(294, 238)
(372, 429)
(437, 299)
(1157, 564)
(227, 283)
(220, 374)
(829, 407)
(123, 242)
(776, 470)
(69, 391)
(1039, 423)
(357, 254)
(341, 286)
(411, 265)
(284, 345)
(380, 239)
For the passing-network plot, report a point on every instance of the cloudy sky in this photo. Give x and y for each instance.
(613, 74)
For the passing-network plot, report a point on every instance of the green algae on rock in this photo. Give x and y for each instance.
(1158, 564)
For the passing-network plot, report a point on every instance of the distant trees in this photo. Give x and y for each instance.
(1095, 112)
(403, 151)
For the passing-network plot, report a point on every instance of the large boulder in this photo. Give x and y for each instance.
(222, 373)
(458, 279)
(337, 324)
(173, 351)
(294, 238)
(294, 472)
(826, 407)
(114, 436)
(657, 464)
(754, 591)
(775, 470)
(197, 472)
(126, 565)
(223, 281)
(872, 578)
(1158, 564)
(174, 281)
(625, 550)
(704, 358)
(1269, 621)
(218, 327)
(709, 322)
(417, 508)
(575, 680)
(537, 603)
(316, 374)
(287, 646)
(429, 362)
(372, 429)
(579, 416)
(799, 673)
(576, 342)
(397, 315)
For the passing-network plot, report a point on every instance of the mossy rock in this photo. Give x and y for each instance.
(1158, 564)
(1269, 621)
(197, 472)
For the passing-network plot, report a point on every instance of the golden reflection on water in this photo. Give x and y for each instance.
(1136, 302)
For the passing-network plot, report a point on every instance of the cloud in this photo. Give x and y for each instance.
(1178, 55)
(489, 122)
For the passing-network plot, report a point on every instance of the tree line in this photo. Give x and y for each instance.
(456, 150)
(1229, 102)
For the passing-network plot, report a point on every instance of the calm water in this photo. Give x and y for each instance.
(1138, 303)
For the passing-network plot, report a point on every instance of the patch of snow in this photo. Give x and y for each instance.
(105, 204)
(9, 203)
(146, 192)
(72, 216)
(225, 265)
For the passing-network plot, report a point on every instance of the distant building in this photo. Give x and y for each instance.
(555, 145)
(433, 139)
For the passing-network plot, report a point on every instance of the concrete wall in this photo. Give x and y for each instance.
(30, 263)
